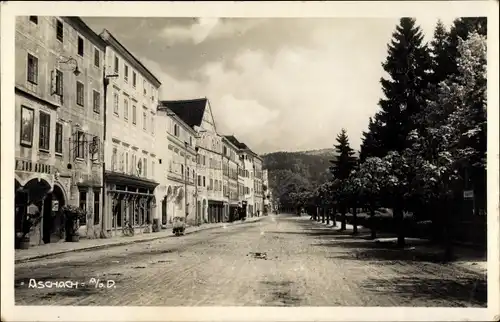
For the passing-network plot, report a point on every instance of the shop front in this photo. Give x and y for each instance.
(38, 198)
(215, 211)
(131, 204)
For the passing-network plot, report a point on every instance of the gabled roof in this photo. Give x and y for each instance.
(235, 142)
(190, 111)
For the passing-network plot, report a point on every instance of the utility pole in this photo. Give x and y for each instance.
(185, 180)
(105, 82)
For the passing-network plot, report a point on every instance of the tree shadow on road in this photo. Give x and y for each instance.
(463, 291)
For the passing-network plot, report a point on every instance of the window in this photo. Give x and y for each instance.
(127, 169)
(125, 73)
(115, 103)
(80, 46)
(83, 205)
(182, 170)
(44, 141)
(59, 137)
(134, 79)
(32, 69)
(79, 93)
(144, 120)
(204, 181)
(80, 145)
(97, 101)
(97, 58)
(114, 156)
(145, 164)
(117, 65)
(134, 114)
(34, 19)
(125, 108)
(210, 187)
(96, 206)
(199, 181)
(190, 141)
(152, 124)
(59, 30)
(59, 83)
(176, 130)
(194, 176)
(144, 86)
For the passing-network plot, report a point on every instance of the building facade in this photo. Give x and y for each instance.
(257, 183)
(131, 93)
(58, 97)
(177, 151)
(197, 115)
(230, 169)
(266, 191)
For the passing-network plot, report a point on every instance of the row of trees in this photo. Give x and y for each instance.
(427, 143)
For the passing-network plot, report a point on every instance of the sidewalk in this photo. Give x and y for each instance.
(467, 257)
(35, 252)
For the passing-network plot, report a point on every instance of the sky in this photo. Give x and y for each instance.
(277, 84)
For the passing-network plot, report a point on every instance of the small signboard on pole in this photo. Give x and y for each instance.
(468, 194)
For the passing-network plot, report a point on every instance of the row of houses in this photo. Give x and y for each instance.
(92, 132)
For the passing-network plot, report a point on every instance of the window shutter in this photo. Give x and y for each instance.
(53, 82)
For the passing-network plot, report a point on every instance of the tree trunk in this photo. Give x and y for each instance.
(343, 225)
(448, 229)
(322, 214)
(354, 220)
(328, 213)
(398, 218)
(372, 222)
(334, 216)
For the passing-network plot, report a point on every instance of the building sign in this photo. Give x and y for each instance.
(468, 194)
(28, 166)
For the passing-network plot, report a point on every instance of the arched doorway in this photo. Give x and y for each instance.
(164, 218)
(53, 221)
(32, 199)
(204, 210)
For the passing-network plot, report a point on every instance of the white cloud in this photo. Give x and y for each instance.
(205, 28)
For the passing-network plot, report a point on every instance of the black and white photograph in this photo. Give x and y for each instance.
(218, 160)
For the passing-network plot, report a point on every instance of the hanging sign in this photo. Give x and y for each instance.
(468, 194)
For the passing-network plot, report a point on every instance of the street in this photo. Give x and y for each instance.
(278, 261)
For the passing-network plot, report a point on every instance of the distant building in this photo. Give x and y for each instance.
(230, 169)
(130, 152)
(177, 150)
(59, 132)
(209, 199)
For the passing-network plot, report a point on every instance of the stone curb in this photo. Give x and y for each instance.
(125, 242)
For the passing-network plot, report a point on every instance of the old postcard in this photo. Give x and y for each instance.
(250, 161)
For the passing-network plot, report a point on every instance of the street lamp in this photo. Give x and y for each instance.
(105, 82)
(71, 60)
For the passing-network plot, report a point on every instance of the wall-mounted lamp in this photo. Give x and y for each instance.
(73, 61)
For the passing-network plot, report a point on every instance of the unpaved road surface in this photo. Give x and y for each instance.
(278, 261)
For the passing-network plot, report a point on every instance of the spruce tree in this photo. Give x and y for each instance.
(407, 65)
(370, 146)
(345, 161)
(342, 167)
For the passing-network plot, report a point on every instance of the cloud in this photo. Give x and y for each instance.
(205, 28)
(297, 98)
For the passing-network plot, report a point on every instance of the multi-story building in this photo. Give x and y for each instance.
(266, 191)
(176, 141)
(197, 114)
(130, 157)
(58, 97)
(257, 183)
(230, 169)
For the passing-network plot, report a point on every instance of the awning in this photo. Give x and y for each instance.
(125, 179)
